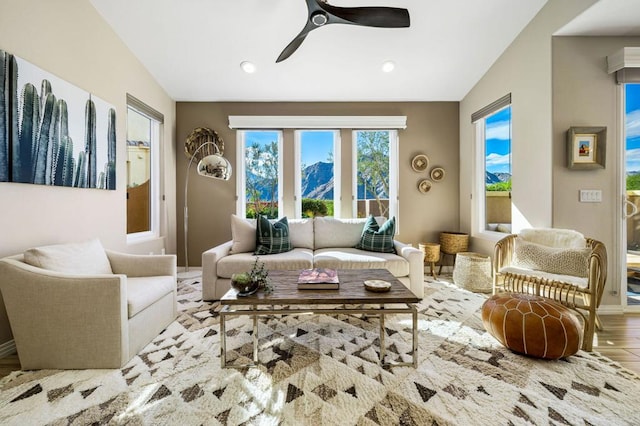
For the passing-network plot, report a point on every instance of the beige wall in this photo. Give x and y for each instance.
(432, 129)
(524, 70)
(585, 95)
(71, 40)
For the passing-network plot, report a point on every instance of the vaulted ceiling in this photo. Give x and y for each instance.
(194, 48)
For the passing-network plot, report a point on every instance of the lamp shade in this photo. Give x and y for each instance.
(215, 166)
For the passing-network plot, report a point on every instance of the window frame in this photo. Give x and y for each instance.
(241, 166)
(156, 121)
(478, 195)
(394, 199)
(337, 196)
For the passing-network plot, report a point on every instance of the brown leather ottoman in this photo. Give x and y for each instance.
(532, 325)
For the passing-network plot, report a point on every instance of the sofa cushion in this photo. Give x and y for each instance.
(330, 232)
(143, 292)
(378, 238)
(301, 233)
(353, 258)
(298, 258)
(272, 238)
(565, 261)
(243, 234)
(86, 257)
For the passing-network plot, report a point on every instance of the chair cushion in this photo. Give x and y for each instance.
(298, 258)
(378, 238)
(551, 237)
(569, 279)
(86, 257)
(143, 292)
(565, 261)
(353, 258)
(272, 238)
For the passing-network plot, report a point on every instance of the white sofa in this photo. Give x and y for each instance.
(76, 306)
(319, 242)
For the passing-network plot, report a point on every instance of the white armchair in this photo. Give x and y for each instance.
(99, 316)
(559, 264)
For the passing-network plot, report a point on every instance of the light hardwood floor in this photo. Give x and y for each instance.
(619, 341)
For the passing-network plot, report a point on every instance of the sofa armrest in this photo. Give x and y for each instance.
(136, 265)
(210, 260)
(416, 266)
(65, 321)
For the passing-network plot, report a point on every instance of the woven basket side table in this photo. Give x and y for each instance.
(452, 243)
(472, 272)
(431, 254)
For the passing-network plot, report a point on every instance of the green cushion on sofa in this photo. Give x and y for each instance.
(378, 238)
(272, 238)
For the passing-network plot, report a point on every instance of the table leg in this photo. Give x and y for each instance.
(382, 348)
(255, 335)
(223, 341)
(415, 335)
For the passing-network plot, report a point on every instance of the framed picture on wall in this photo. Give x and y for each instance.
(586, 147)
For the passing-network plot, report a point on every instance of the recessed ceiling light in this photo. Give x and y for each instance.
(388, 66)
(248, 67)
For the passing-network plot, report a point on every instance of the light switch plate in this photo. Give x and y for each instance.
(590, 196)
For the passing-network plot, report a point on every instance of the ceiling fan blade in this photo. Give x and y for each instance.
(381, 17)
(293, 46)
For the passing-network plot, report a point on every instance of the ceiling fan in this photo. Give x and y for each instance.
(321, 13)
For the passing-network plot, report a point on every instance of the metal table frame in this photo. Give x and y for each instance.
(380, 312)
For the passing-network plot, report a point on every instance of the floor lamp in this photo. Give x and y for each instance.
(213, 166)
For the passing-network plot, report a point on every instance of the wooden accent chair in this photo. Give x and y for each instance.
(558, 264)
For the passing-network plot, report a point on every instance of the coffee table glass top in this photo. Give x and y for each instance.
(350, 291)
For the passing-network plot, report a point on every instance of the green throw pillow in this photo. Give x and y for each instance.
(272, 238)
(378, 238)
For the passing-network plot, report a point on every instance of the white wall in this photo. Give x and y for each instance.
(524, 70)
(70, 39)
(585, 95)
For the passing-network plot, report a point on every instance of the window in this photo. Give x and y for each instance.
(143, 174)
(317, 173)
(375, 169)
(632, 160)
(260, 174)
(493, 167)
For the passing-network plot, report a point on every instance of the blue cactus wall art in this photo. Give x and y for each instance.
(52, 132)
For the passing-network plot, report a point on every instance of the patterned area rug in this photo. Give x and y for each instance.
(321, 370)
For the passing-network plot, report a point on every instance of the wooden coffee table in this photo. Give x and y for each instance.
(351, 292)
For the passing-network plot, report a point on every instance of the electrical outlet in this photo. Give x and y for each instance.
(590, 196)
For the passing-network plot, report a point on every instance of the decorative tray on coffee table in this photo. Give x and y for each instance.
(378, 286)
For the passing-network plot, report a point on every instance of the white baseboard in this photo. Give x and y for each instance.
(610, 310)
(7, 348)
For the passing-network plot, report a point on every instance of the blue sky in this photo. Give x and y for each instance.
(316, 146)
(632, 123)
(498, 142)
(263, 137)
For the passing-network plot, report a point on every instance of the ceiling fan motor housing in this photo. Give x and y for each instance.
(319, 18)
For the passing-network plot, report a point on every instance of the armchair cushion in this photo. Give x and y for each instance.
(565, 261)
(88, 257)
(553, 237)
(143, 292)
